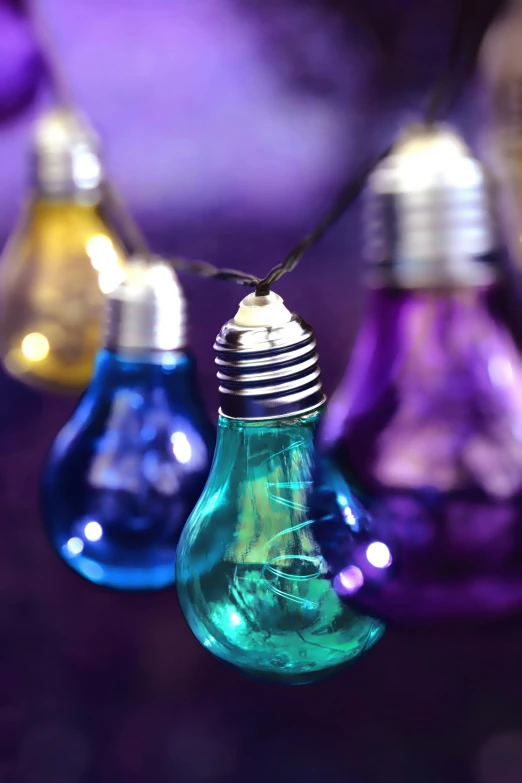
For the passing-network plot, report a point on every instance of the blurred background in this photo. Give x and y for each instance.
(228, 127)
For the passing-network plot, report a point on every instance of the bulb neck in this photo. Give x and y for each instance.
(57, 181)
(305, 418)
(174, 371)
(146, 312)
(263, 442)
(268, 366)
(134, 361)
(65, 161)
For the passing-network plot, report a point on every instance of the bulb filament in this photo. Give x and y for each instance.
(271, 572)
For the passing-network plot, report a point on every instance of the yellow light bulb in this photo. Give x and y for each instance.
(59, 263)
(53, 277)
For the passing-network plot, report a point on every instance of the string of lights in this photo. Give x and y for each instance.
(470, 26)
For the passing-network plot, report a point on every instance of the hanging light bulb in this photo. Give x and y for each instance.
(501, 68)
(59, 262)
(250, 577)
(126, 470)
(428, 420)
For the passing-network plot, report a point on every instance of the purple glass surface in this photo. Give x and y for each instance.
(427, 428)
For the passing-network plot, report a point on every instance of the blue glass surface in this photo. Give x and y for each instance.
(125, 472)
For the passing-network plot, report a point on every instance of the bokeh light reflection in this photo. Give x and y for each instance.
(35, 347)
(499, 760)
(74, 546)
(93, 531)
(349, 581)
(181, 447)
(379, 555)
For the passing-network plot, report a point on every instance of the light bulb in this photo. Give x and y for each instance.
(127, 469)
(60, 261)
(251, 579)
(500, 63)
(427, 424)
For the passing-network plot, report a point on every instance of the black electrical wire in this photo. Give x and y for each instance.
(346, 198)
(134, 240)
(470, 26)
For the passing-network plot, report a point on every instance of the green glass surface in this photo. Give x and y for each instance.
(250, 577)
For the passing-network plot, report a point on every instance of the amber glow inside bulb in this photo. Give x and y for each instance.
(54, 272)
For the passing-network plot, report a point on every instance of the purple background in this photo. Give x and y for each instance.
(228, 125)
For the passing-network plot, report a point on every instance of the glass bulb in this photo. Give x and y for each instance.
(500, 61)
(251, 579)
(427, 425)
(127, 469)
(54, 272)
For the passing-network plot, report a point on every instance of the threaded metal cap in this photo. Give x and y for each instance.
(267, 362)
(66, 156)
(146, 311)
(429, 219)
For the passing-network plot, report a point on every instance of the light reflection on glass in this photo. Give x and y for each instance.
(349, 516)
(181, 447)
(500, 370)
(93, 531)
(92, 571)
(110, 278)
(234, 618)
(344, 505)
(379, 555)
(86, 169)
(35, 347)
(74, 546)
(105, 260)
(351, 580)
(101, 251)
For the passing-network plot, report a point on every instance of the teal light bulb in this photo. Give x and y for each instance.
(251, 580)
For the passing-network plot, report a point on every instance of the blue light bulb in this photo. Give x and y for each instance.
(125, 472)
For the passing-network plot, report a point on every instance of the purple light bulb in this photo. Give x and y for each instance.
(426, 427)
